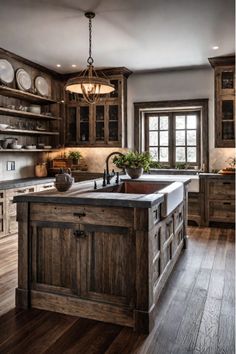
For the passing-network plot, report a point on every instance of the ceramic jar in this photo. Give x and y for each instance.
(64, 181)
(41, 170)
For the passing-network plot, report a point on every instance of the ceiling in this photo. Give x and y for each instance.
(139, 34)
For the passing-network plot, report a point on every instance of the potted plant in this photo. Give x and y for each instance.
(134, 163)
(74, 156)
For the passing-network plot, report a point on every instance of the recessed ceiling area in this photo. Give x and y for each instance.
(141, 35)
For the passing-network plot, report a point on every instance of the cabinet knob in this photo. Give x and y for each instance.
(79, 234)
(80, 215)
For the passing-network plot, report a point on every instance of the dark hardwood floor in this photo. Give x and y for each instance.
(195, 312)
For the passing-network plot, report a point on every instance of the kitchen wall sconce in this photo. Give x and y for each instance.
(89, 84)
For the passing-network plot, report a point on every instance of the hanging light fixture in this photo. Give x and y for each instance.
(89, 84)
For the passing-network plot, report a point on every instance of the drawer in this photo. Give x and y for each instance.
(156, 239)
(154, 216)
(178, 216)
(169, 228)
(82, 214)
(222, 211)
(46, 186)
(166, 256)
(156, 269)
(221, 189)
(10, 193)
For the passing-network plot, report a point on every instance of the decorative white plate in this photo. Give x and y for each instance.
(30, 147)
(23, 80)
(42, 86)
(6, 71)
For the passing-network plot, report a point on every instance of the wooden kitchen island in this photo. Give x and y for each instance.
(103, 254)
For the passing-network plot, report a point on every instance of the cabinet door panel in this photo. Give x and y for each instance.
(110, 267)
(55, 263)
(221, 190)
(222, 211)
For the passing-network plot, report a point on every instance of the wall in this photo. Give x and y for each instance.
(24, 165)
(177, 85)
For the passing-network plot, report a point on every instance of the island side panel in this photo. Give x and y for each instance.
(23, 289)
(143, 294)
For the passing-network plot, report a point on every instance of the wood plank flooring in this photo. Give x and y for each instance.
(195, 313)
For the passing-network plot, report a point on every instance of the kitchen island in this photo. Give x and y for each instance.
(103, 254)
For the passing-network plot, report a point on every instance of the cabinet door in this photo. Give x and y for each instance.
(55, 258)
(108, 268)
(224, 105)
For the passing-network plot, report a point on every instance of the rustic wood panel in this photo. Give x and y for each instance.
(55, 260)
(82, 214)
(110, 265)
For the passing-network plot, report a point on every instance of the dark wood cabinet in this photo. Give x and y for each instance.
(217, 198)
(224, 68)
(83, 260)
(101, 124)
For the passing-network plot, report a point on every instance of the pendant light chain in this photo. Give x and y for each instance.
(90, 59)
(89, 83)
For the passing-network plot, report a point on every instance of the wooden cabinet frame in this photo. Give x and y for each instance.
(120, 100)
(224, 128)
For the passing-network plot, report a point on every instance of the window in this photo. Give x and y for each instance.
(173, 138)
(174, 132)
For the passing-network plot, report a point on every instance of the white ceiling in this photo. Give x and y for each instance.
(138, 34)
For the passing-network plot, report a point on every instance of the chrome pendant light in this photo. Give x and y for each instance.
(89, 84)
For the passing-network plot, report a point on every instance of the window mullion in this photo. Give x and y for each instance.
(172, 139)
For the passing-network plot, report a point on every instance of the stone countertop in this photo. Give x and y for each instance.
(218, 175)
(25, 182)
(82, 193)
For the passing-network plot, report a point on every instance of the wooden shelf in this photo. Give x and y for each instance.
(22, 95)
(33, 132)
(28, 150)
(17, 113)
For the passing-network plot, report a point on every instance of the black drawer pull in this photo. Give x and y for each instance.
(227, 203)
(226, 183)
(80, 215)
(79, 234)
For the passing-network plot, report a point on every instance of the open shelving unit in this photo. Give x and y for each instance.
(24, 114)
(29, 97)
(22, 131)
(23, 95)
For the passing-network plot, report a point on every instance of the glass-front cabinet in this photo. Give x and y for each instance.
(100, 124)
(224, 100)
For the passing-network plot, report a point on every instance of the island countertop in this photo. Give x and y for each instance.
(83, 193)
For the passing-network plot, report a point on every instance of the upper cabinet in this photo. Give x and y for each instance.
(31, 107)
(224, 68)
(101, 124)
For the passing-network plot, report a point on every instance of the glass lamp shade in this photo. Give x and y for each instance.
(90, 85)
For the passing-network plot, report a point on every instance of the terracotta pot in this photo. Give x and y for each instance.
(134, 172)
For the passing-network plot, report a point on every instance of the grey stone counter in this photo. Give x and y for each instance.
(24, 182)
(82, 193)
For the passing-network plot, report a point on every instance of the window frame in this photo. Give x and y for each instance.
(201, 105)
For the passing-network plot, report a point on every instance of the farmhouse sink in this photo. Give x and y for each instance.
(173, 192)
